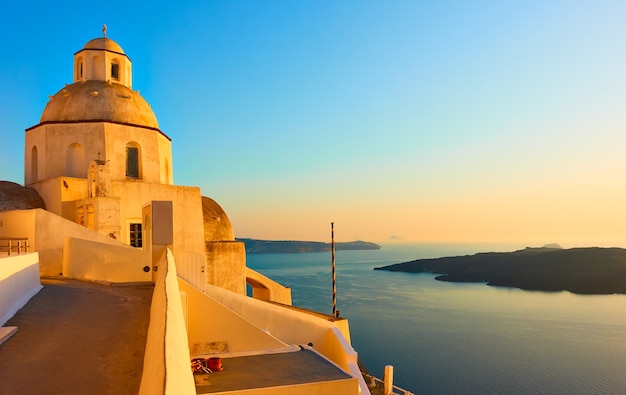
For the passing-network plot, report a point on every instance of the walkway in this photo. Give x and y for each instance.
(77, 338)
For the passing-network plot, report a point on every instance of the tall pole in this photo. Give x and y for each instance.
(332, 248)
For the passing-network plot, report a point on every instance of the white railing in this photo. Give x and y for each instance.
(10, 245)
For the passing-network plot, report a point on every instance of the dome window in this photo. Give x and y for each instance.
(115, 71)
(78, 69)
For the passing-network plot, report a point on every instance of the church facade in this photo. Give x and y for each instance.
(97, 157)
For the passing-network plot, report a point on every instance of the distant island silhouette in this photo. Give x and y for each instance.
(254, 246)
(593, 270)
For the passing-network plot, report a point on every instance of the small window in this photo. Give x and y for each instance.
(80, 70)
(115, 71)
(132, 162)
(135, 235)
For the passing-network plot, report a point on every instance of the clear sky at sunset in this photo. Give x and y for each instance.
(429, 120)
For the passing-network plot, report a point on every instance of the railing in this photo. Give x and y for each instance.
(384, 387)
(14, 244)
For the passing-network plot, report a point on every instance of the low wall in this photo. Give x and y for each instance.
(19, 281)
(289, 325)
(166, 366)
(293, 326)
(339, 350)
(46, 234)
(264, 288)
(210, 322)
(91, 260)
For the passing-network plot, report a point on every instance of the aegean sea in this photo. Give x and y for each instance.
(451, 338)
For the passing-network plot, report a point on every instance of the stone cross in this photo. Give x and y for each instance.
(104, 30)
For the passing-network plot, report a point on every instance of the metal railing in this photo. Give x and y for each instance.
(10, 245)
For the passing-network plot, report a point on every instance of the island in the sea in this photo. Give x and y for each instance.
(254, 246)
(578, 270)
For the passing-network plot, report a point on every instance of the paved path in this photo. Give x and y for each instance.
(77, 338)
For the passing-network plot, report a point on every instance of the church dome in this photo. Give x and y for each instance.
(17, 197)
(103, 43)
(95, 100)
(217, 226)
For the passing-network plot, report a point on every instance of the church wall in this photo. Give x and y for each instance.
(97, 66)
(105, 141)
(153, 148)
(91, 71)
(165, 155)
(53, 143)
(226, 265)
(187, 208)
(59, 194)
(35, 138)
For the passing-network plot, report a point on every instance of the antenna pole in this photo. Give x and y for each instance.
(332, 248)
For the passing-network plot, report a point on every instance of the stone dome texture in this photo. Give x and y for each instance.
(95, 100)
(103, 43)
(217, 226)
(16, 197)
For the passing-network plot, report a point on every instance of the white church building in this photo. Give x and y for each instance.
(104, 170)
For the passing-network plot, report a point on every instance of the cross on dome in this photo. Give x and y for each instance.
(104, 30)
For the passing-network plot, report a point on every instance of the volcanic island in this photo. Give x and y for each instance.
(589, 270)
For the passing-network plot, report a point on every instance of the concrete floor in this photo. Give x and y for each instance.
(77, 337)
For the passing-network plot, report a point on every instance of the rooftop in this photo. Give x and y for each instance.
(269, 370)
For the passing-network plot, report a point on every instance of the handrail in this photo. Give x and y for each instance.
(374, 380)
(7, 245)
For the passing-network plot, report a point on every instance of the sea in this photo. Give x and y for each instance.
(461, 338)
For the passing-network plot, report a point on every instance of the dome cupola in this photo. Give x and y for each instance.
(102, 89)
(103, 59)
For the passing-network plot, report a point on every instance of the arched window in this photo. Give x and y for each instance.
(79, 69)
(34, 165)
(75, 165)
(133, 160)
(115, 70)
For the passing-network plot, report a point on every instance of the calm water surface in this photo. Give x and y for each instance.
(451, 338)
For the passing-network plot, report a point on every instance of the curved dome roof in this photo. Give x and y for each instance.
(217, 226)
(16, 197)
(99, 101)
(104, 43)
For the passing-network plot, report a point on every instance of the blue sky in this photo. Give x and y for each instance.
(433, 121)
